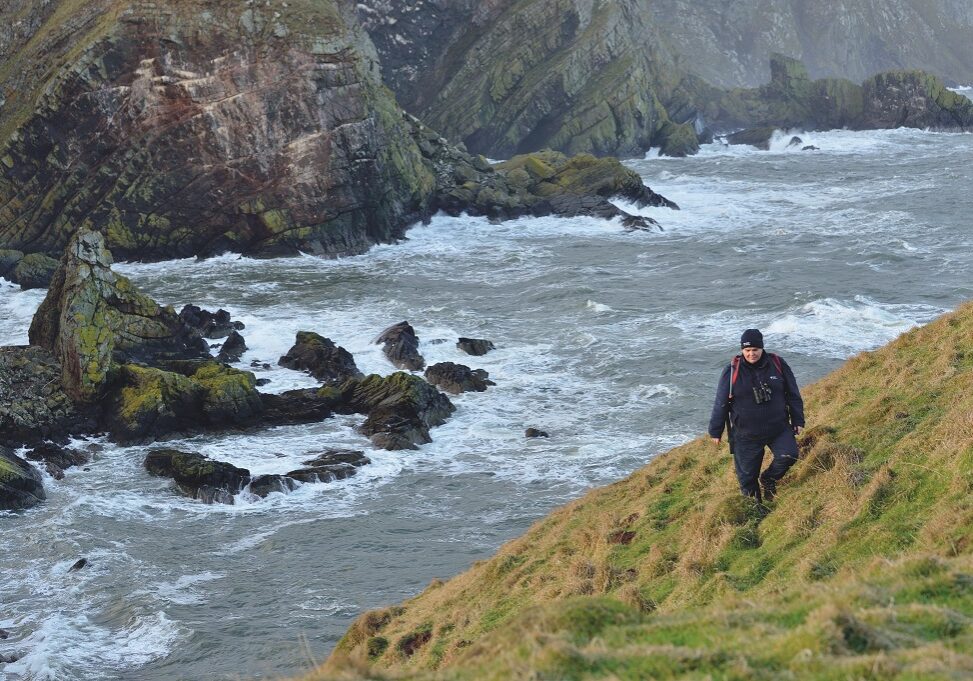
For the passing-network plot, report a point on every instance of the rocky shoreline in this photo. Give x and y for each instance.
(106, 359)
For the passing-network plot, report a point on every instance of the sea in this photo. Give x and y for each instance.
(609, 340)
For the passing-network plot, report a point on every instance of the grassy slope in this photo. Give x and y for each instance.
(862, 569)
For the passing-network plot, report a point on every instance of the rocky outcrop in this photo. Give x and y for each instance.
(233, 348)
(793, 100)
(401, 345)
(330, 465)
(400, 409)
(33, 405)
(458, 378)
(93, 319)
(320, 357)
(34, 270)
(20, 483)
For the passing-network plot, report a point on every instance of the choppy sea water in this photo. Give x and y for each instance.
(610, 340)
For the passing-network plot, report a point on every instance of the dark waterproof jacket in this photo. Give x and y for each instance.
(754, 421)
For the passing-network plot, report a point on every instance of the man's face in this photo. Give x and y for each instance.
(752, 355)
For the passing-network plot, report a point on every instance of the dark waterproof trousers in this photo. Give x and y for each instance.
(748, 457)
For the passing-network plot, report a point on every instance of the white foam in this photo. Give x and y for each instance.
(597, 307)
(71, 646)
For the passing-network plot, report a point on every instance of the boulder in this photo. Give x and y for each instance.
(307, 405)
(209, 324)
(20, 483)
(458, 378)
(233, 348)
(93, 319)
(330, 465)
(535, 432)
(263, 485)
(400, 409)
(33, 405)
(56, 459)
(198, 477)
(755, 137)
(34, 270)
(320, 357)
(8, 260)
(401, 346)
(475, 346)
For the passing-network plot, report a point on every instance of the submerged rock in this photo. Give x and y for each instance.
(458, 378)
(20, 483)
(331, 465)
(198, 477)
(475, 346)
(78, 565)
(320, 357)
(263, 485)
(535, 432)
(56, 459)
(401, 345)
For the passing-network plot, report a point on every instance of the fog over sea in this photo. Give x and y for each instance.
(610, 340)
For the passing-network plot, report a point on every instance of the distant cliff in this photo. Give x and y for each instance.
(617, 77)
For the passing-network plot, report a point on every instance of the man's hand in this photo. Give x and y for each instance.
(716, 441)
(798, 429)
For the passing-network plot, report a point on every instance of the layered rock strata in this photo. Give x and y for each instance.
(194, 128)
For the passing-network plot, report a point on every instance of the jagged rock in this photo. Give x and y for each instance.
(913, 99)
(401, 346)
(290, 407)
(20, 483)
(209, 324)
(321, 358)
(33, 406)
(198, 477)
(34, 270)
(331, 465)
(458, 378)
(475, 346)
(400, 409)
(93, 318)
(233, 348)
(535, 432)
(56, 459)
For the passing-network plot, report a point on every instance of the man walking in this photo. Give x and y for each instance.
(759, 402)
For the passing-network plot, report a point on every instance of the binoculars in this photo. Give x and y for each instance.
(761, 393)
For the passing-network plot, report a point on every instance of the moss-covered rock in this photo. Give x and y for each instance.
(20, 483)
(93, 319)
(230, 395)
(148, 403)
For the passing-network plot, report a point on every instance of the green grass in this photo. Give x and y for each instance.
(861, 569)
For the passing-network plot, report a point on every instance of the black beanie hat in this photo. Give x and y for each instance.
(751, 338)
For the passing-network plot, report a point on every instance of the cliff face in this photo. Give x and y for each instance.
(617, 77)
(506, 77)
(183, 128)
(728, 44)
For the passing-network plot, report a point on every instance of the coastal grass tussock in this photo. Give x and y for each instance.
(862, 567)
